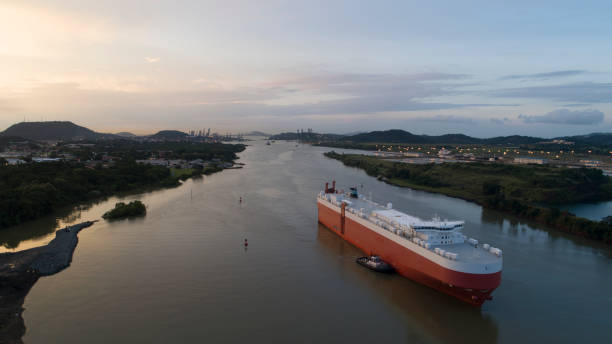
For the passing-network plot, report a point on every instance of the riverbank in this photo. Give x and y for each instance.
(20, 270)
(31, 191)
(517, 190)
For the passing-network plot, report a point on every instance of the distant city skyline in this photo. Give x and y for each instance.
(478, 68)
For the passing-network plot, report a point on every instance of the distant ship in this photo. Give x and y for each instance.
(434, 253)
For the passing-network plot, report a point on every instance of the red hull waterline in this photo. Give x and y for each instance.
(474, 289)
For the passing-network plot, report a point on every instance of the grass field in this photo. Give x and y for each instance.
(181, 172)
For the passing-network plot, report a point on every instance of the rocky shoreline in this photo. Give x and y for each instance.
(20, 270)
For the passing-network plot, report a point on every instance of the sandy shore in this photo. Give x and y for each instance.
(20, 270)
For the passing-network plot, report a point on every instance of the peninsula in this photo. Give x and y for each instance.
(20, 270)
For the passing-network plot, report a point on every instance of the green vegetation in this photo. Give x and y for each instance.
(169, 135)
(186, 173)
(129, 149)
(32, 190)
(182, 173)
(519, 190)
(122, 210)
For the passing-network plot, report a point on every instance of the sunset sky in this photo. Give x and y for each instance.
(476, 67)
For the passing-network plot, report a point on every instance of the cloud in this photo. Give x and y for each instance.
(500, 121)
(548, 75)
(584, 92)
(152, 59)
(448, 119)
(348, 96)
(372, 93)
(565, 116)
(575, 105)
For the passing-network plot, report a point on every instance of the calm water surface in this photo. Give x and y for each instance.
(182, 274)
(591, 211)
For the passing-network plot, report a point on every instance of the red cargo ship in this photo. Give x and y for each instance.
(434, 253)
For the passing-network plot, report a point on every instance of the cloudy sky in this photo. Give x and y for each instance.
(476, 67)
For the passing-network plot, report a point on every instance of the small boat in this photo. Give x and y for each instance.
(268, 143)
(375, 263)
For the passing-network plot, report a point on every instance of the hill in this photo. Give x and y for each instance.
(52, 131)
(594, 139)
(169, 135)
(125, 134)
(402, 136)
(387, 136)
(512, 140)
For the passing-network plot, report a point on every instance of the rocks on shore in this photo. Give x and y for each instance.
(20, 270)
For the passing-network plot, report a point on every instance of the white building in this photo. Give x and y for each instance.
(155, 162)
(530, 160)
(11, 161)
(444, 153)
(591, 163)
(38, 159)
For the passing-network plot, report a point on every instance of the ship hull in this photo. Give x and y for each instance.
(468, 287)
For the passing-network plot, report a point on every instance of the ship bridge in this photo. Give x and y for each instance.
(402, 219)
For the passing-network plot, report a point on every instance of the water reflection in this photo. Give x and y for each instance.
(591, 211)
(36, 232)
(492, 217)
(427, 311)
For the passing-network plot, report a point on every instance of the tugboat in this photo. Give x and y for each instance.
(353, 193)
(375, 263)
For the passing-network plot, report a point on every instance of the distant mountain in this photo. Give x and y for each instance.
(256, 133)
(170, 135)
(512, 140)
(387, 136)
(125, 134)
(52, 131)
(402, 136)
(354, 133)
(594, 139)
(306, 136)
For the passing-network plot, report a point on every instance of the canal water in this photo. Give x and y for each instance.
(182, 273)
(591, 211)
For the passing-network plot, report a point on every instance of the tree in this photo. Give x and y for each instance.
(491, 188)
